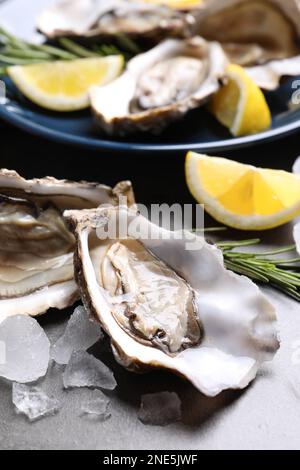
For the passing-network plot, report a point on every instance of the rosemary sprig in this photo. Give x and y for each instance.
(109, 49)
(77, 50)
(25, 54)
(8, 38)
(5, 59)
(264, 267)
(209, 229)
(15, 51)
(55, 52)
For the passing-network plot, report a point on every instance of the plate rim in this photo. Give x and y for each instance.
(41, 130)
(114, 146)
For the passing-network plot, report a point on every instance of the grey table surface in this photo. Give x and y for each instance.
(264, 416)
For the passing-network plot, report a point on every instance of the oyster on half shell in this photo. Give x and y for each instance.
(262, 35)
(165, 306)
(36, 246)
(159, 86)
(104, 19)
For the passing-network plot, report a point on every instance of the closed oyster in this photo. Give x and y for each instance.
(108, 18)
(165, 306)
(263, 35)
(159, 86)
(36, 246)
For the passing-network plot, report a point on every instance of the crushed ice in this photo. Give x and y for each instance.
(97, 406)
(160, 409)
(25, 356)
(25, 349)
(80, 334)
(84, 370)
(33, 402)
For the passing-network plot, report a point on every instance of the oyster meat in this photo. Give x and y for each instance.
(165, 306)
(262, 35)
(160, 309)
(159, 86)
(108, 18)
(36, 246)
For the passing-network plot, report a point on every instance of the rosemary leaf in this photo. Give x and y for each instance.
(54, 51)
(210, 229)
(264, 267)
(106, 49)
(80, 51)
(25, 54)
(231, 245)
(10, 39)
(16, 61)
(127, 43)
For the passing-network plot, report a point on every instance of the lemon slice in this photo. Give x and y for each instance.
(176, 4)
(240, 104)
(64, 85)
(243, 196)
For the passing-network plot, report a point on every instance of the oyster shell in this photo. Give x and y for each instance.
(159, 86)
(164, 306)
(262, 35)
(108, 18)
(36, 246)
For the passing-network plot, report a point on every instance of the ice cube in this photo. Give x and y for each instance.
(97, 406)
(84, 370)
(33, 402)
(160, 409)
(25, 349)
(296, 167)
(297, 236)
(80, 334)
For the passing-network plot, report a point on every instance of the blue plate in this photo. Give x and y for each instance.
(197, 131)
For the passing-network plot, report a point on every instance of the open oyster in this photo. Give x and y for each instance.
(159, 86)
(36, 247)
(108, 18)
(169, 307)
(263, 35)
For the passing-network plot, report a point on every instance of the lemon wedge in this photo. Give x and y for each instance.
(240, 105)
(64, 85)
(243, 196)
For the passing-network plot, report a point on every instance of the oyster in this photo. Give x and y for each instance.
(36, 247)
(108, 18)
(169, 307)
(263, 35)
(159, 86)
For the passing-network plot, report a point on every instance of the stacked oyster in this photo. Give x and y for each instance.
(185, 68)
(36, 253)
(105, 19)
(262, 35)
